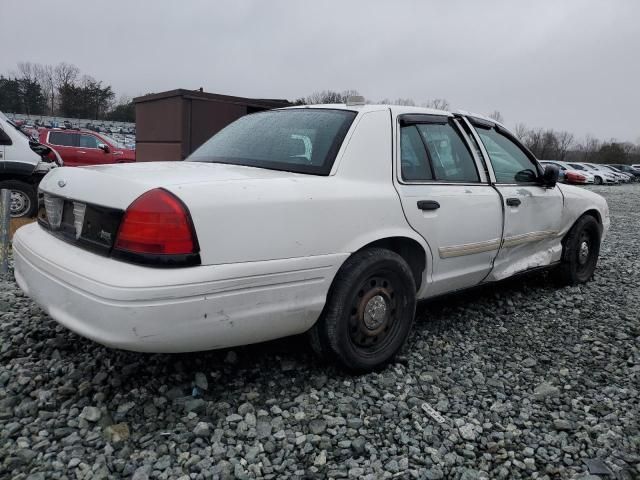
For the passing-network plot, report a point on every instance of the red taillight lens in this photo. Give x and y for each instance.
(157, 223)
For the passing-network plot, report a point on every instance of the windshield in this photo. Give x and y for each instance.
(577, 166)
(296, 140)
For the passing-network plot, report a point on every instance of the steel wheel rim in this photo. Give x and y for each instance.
(20, 203)
(585, 251)
(373, 316)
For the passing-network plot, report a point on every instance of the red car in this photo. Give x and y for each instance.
(84, 147)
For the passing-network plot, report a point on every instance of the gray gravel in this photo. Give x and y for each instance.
(524, 381)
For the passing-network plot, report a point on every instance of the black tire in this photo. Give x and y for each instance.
(369, 311)
(24, 200)
(597, 180)
(580, 252)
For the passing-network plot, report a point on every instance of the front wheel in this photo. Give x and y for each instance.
(24, 202)
(369, 311)
(581, 250)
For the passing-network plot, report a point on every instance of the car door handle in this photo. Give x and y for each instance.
(428, 205)
(513, 202)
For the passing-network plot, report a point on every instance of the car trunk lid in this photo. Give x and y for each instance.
(85, 205)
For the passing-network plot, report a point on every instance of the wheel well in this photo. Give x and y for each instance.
(592, 213)
(595, 214)
(410, 250)
(30, 179)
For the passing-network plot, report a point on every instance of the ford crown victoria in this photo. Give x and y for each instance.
(332, 220)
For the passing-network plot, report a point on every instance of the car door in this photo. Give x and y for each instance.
(66, 144)
(89, 153)
(447, 199)
(532, 212)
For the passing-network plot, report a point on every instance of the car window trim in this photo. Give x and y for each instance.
(434, 120)
(483, 150)
(481, 167)
(64, 133)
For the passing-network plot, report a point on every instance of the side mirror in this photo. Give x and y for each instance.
(104, 147)
(526, 176)
(550, 176)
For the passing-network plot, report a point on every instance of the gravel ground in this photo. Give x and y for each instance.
(525, 381)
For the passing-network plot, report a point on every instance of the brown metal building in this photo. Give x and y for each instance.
(170, 125)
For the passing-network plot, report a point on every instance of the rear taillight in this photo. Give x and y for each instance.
(157, 229)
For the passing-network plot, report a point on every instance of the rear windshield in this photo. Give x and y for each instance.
(296, 140)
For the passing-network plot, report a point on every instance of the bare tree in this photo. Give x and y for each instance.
(45, 77)
(521, 132)
(497, 116)
(438, 104)
(589, 147)
(564, 142)
(65, 74)
(404, 101)
(329, 96)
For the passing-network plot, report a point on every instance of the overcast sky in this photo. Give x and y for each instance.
(570, 65)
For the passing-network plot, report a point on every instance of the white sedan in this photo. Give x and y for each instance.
(332, 219)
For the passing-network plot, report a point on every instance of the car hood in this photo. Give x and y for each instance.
(117, 185)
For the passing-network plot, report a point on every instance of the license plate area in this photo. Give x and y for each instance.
(92, 227)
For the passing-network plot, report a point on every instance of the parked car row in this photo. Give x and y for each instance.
(580, 173)
(101, 126)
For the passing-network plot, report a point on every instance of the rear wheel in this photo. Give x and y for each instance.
(369, 311)
(581, 250)
(24, 201)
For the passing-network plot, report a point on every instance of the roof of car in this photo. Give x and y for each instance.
(70, 130)
(398, 110)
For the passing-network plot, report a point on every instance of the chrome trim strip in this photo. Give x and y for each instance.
(521, 239)
(489, 245)
(469, 248)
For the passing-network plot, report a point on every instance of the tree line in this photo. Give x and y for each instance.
(61, 90)
(546, 144)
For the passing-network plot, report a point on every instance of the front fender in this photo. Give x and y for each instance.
(579, 201)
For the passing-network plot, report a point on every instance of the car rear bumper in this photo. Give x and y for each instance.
(170, 310)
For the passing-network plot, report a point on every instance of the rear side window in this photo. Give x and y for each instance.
(63, 139)
(436, 152)
(297, 140)
(415, 164)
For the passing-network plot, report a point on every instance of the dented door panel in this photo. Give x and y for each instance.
(532, 227)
